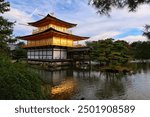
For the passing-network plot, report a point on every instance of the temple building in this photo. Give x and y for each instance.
(51, 40)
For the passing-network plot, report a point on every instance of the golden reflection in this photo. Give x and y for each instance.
(65, 90)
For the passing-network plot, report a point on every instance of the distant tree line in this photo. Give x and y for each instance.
(141, 50)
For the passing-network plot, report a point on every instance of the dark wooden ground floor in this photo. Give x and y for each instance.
(72, 56)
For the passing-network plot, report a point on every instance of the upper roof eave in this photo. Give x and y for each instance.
(35, 24)
(56, 31)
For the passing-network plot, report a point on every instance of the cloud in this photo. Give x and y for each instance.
(104, 36)
(21, 18)
(131, 38)
(120, 21)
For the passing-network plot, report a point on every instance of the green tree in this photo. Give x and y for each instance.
(146, 32)
(6, 27)
(12, 40)
(18, 82)
(106, 6)
(110, 53)
(141, 50)
(19, 52)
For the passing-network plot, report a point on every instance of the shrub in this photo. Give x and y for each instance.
(18, 82)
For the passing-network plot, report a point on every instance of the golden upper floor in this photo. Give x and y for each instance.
(56, 27)
(57, 41)
(51, 22)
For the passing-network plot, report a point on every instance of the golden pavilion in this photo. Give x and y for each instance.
(51, 39)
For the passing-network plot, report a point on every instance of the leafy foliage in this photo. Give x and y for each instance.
(109, 52)
(141, 50)
(4, 6)
(19, 52)
(106, 6)
(18, 82)
(147, 31)
(6, 27)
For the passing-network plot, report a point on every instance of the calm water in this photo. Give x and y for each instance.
(93, 85)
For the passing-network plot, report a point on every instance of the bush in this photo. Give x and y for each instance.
(18, 82)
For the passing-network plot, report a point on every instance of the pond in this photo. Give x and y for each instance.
(78, 84)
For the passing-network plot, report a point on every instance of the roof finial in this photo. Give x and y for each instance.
(52, 14)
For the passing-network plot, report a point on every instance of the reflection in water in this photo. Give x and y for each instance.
(112, 87)
(65, 90)
(143, 67)
(58, 84)
(81, 84)
(97, 85)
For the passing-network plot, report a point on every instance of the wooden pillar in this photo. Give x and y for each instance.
(52, 52)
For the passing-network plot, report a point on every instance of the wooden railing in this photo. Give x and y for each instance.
(45, 44)
(36, 45)
(38, 31)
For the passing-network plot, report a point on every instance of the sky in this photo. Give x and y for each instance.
(121, 25)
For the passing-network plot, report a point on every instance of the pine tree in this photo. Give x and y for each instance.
(6, 27)
(106, 6)
(146, 32)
